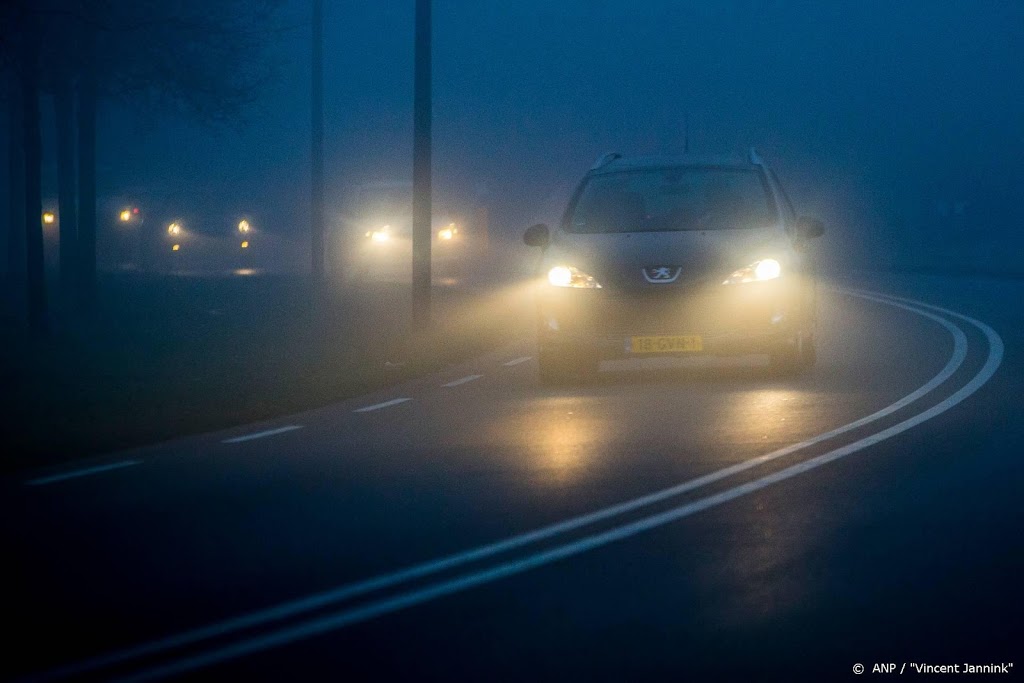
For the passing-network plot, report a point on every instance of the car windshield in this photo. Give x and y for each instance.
(380, 206)
(668, 199)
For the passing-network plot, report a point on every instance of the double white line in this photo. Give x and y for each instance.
(288, 633)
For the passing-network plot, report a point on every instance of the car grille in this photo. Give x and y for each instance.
(693, 308)
(661, 313)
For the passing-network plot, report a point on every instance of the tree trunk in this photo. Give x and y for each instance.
(16, 185)
(87, 170)
(66, 208)
(36, 268)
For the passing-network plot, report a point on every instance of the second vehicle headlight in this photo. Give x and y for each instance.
(567, 276)
(758, 271)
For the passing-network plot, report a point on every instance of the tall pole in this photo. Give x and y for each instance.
(317, 139)
(64, 114)
(421, 185)
(87, 169)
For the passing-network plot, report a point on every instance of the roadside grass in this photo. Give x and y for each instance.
(165, 356)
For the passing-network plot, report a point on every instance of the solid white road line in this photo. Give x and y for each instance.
(260, 435)
(74, 474)
(378, 406)
(467, 378)
(517, 361)
(374, 609)
(342, 593)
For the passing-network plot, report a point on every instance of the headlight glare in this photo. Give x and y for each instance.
(768, 269)
(567, 276)
(758, 271)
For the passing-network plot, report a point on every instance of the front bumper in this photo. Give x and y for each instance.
(729, 319)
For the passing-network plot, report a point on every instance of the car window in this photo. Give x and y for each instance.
(377, 207)
(671, 199)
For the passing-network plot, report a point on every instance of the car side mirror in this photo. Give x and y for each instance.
(809, 228)
(537, 236)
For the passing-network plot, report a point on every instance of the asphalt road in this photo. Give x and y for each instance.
(694, 521)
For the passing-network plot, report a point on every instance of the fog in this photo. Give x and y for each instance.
(675, 430)
(897, 123)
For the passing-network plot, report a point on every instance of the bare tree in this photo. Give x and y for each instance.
(33, 152)
(198, 58)
(194, 57)
(21, 56)
(16, 182)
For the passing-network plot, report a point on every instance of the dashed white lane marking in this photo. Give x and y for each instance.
(517, 361)
(378, 406)
(414, 597)
(346, 617)
(559, 528)
(260, 435)
(467, 378)
(74, 474)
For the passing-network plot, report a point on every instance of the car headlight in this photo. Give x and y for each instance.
(381, 235)
(446, 234)
(567, 276)
(758, 271)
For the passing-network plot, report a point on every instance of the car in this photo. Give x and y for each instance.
(675, 256)
(378, 243)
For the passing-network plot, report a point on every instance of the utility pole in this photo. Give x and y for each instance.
(421, 181)
(317, 140)
(64, 115)
(87, 169)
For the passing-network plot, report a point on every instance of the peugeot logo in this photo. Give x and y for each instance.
(661, 275)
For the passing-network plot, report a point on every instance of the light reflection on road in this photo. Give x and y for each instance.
(560, 438)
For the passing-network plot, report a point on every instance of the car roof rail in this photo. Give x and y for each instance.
(755, 158)
(605, 159)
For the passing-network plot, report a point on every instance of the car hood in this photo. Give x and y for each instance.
(619, 260)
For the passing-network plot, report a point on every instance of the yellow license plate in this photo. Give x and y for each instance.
(665, 344)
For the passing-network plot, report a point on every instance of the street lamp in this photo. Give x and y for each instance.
(49, 218)
(173, 229)
(244, 227)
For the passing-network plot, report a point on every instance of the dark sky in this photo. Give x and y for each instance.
(878, 114)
